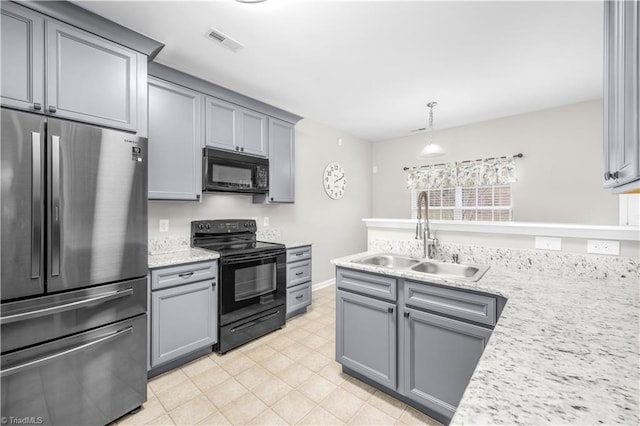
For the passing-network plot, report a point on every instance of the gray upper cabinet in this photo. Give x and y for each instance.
(22, 41)
(221, 124)
(176, 138)
(233, 128)
(253, 133)
(91, 79)
(622, 96)
(60, 70)
(281, 163)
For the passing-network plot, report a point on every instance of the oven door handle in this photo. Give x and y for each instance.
(228, 260)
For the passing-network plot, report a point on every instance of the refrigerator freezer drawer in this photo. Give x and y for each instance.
(88, 379)
(36, 320)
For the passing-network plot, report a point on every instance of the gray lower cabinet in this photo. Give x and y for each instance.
(234, 128)
(176, 139)
(440, 355)
(281, 164)
(622, 96)
(431, 336)
(66, 72)
(298, 280)
(366, 336)
(184, 311)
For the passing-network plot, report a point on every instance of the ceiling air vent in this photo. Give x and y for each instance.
(224, 40)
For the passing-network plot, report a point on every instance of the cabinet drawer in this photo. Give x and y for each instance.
(298, 253)
(365, 283)
(298, 272)
(469, 306)
(298, 297)
(183, 274)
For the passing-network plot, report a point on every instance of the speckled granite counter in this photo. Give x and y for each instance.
(564, 351)
(180, 257)
(291, 243)
(175, 250)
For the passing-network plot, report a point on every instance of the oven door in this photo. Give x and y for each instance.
(252, 280)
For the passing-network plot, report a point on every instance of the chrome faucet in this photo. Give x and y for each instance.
(423, 232)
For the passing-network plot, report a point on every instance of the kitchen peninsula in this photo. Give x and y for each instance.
(555, 355)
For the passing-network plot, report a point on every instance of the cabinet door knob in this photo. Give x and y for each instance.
(390, 310)
(37, 106)
(406, 314)
(237, 148)
(271, 198)
(615, 175)
(242, 149)
(52, 109)
(607, 175)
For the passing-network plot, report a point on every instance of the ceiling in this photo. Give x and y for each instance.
(369, 68)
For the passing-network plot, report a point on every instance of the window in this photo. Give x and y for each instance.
(476, 203)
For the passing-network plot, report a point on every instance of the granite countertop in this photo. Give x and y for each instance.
(188, 255)
(287, 243)
(564, 351)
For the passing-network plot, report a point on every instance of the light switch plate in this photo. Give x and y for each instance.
(549, 243)
(603, 247)
(164, 225)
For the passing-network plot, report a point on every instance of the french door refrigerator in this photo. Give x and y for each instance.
(74, 260)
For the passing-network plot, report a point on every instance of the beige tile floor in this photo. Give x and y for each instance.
(287, 377)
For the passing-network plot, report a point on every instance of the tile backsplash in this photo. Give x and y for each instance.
(560, 263)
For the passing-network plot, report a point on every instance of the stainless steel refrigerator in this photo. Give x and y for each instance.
(74, 260)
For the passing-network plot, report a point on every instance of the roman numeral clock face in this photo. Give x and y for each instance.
(334, 180)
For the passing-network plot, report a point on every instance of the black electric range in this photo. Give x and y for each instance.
(252, 277)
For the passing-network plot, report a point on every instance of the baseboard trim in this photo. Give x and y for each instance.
(323, 284)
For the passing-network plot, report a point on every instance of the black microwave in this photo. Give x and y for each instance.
(231, 172)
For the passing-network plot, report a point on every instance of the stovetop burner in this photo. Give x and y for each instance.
(229, 236)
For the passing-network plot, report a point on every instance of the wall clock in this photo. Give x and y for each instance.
(334, 180)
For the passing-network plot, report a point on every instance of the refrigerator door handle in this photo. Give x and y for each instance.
(35, 363)
(100, 298)
(36, 204)
(55, 205)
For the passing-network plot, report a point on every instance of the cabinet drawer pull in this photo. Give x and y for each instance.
(406, 314)
(37, 106)
(299, 253)
(52, 109)
(390, 310)
(300, 296)
(186, 275)
(299, 273)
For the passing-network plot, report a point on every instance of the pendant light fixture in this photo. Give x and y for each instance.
(431, 150)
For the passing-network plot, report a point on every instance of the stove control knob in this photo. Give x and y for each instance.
(200, 226)
(246, 224)
(208, 226)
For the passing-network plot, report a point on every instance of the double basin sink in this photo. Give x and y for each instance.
(426, 266)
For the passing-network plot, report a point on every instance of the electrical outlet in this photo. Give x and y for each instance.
(164, 225)
(265, 221)
(549, 243)
(603, 247)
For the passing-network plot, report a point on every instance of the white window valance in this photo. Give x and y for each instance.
(494, 171)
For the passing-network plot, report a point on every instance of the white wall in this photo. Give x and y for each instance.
(334, 227)
(559, 178)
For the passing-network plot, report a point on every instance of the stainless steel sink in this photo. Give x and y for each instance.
(427, 267)
(454, 270)
(389, 261)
